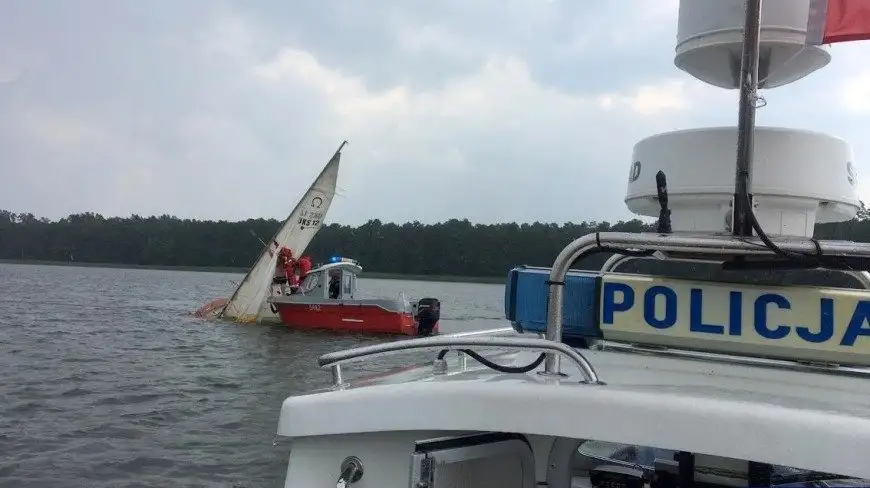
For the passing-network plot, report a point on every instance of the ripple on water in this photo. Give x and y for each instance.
(107, 382)
(128, 399)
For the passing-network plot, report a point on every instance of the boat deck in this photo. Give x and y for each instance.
(749, 412)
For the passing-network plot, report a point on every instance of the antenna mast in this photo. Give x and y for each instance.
(741, 223)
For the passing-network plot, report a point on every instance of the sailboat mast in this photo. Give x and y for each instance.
(741, 224)
(343, 143)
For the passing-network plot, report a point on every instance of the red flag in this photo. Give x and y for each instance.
(833, 21)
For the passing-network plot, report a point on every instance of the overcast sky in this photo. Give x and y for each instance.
(491, 110)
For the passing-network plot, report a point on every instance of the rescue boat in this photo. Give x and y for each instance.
(324, 298)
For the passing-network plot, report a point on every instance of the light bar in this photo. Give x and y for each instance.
(793, 323)
(525, 302)
(339, 259)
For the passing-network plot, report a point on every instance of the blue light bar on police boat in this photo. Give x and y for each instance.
(793, 323)
(525, 302)
(339, 259)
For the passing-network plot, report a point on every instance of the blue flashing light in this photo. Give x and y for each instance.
(339, 259)
(526, 296)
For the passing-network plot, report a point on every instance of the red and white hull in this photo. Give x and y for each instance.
(356, 316)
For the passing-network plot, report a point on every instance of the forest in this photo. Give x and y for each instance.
(451, 248)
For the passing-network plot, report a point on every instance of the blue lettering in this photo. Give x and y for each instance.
(661, 311)
(609, 305)
(856, 324)
(735, 313)
(649, 307)
(761, 303)
(696, 315)
(826, 324)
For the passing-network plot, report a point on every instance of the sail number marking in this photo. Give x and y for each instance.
(308, 222)
(310, 218)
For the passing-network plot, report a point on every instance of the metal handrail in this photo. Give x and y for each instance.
(336, 359)
(702, 246)
(618, 260)
(499, 331)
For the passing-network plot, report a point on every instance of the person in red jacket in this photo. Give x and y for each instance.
(284, 269)
(289, 268)
(304, 267)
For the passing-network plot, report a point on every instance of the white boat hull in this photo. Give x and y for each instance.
(266, 315)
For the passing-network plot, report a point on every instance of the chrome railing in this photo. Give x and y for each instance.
(499, 331)
(703, 247)
(335, 360)
(617, 260)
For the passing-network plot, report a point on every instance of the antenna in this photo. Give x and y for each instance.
(742, 225)
(779, 181)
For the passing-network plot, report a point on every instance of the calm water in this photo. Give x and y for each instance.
(105, 382)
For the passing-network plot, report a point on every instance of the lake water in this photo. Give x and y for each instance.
(106, 382)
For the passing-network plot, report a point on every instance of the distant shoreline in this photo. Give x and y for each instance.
(230, 269)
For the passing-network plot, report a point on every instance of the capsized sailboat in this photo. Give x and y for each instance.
(248, 302)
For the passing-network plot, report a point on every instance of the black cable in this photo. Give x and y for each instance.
(800, 260)
(744, 220)
(498, 367)
(810, 260)
(664, 223)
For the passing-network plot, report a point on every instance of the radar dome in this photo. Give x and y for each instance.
(798, 179)
(710, 42)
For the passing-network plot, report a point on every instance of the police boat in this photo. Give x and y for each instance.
(729, 348)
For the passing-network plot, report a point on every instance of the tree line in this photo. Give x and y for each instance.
(451, 248)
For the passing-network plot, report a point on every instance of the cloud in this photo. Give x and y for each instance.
(489, 136)
(61, 131)
(667, 97)
(855, 93)
(482, 109)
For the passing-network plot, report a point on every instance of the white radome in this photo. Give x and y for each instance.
(710, 42)
(798, 178)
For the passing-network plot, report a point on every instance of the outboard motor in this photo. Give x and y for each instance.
(428, 314)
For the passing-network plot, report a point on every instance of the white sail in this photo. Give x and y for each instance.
(295, 233)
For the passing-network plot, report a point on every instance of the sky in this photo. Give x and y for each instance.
(490, 110)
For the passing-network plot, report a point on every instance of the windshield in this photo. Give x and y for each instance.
(309, 283)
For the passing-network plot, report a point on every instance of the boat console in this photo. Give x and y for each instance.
(336, 279)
